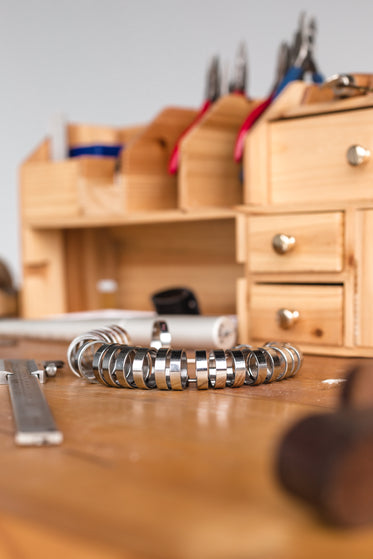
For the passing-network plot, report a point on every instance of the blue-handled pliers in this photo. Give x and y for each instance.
(302, 59)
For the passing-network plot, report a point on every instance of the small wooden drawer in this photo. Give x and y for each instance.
(296, 242)
(274, 309)
(309, 158)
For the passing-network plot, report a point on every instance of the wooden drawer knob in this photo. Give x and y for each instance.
(287, 318)
(357, 155)
(282, 243)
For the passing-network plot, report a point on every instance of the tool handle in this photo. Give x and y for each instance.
(317, 77)
(173, 164)
(293, 74)
(248, 123)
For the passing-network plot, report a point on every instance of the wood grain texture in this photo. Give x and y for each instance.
(318, 243)
(150, 474)
(199, 255)
(364, 326)
(320, 309)
(150, 257)
(295, 166)
(43, 289)
(146, 183)
(79, 134)
(308, 157)
(256, 162)
(209, 176)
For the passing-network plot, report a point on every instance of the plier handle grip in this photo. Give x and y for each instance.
(293, 64)
(212, 94)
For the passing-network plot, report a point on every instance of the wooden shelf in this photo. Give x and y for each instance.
(133, 218)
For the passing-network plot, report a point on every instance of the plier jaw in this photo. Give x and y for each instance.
(302, 50)
(239, 81)
(213, 88)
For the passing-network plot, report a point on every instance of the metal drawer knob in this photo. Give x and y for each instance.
(357, 155)
(282, 243)
(286, 318)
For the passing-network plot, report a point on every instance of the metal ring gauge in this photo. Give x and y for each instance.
(108, 356)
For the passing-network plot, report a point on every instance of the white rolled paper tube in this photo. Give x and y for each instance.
(187, 331)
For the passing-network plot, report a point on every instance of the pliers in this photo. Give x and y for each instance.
(239, 83)
(302, 56)
(212, 94)
(294, 64)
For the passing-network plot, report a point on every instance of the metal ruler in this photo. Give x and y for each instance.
(33, 419)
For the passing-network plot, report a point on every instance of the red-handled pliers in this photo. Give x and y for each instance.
(282, 67)
(212, 94)
(291, 67)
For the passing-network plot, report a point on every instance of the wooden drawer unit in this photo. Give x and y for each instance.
(296, 242)
(309, 159)
(309, 314)
(307, 224)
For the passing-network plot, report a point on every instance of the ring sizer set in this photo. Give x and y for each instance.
(106, 355)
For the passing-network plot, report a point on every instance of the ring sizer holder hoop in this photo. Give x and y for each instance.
(105, 355)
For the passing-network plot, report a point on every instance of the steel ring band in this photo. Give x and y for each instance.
(244, 348)
(107, 362)
(100, 334)
(289, 359)
(71, 356)
(270, 364)
(161, 337)
(273, 363)
(81, 359)
(202, 372)
(284, 356)
(122, 370)
(142, 368)
(298, 358)
(278, 364)
(178, 369)
(217, 368)
(162, 369)
(75, 346)
(257, 368)
(238, 366)
(120, 334)
(124, 337)
(96, 364)
(109, 334)
(292, 359)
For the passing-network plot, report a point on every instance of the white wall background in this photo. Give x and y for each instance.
(118, 62)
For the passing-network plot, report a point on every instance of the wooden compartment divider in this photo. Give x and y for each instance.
(144, 178)
(208, 174)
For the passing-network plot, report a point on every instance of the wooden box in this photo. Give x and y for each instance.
(306, 225)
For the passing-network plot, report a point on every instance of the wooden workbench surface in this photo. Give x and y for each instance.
(150, 474)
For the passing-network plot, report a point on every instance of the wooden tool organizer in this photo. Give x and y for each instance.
(299, 191)
(313, 286)
(82, 221)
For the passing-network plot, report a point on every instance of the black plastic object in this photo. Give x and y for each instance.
(178, 300)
